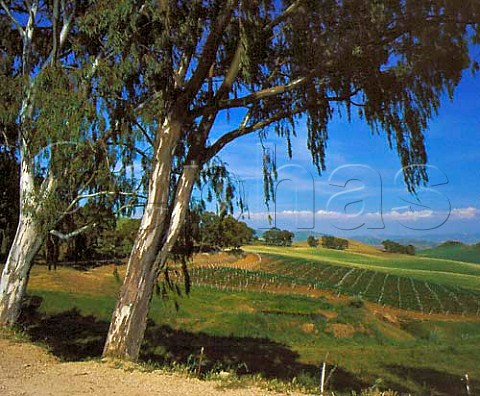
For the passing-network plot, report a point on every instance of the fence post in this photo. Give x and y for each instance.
(467, 385)
(322, 380)
(200, 361)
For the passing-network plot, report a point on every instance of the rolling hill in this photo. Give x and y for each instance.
(454, 251)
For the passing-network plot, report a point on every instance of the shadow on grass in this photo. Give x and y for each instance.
(73, 336)
(434, 382)
(245, 355)
(69, 335)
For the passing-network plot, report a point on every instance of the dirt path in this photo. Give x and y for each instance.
(27, 370)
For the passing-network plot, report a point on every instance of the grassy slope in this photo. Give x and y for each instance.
(469, 254)
(448, 272)
(288, 334)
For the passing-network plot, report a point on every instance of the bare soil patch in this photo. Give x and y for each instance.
(27, 369)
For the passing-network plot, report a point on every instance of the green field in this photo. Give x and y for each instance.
(447, 272)
(406, 282)
(267, 320)
(466, 253)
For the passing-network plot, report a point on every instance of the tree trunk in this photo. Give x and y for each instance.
(129, 320)
(13, 283)
(149, 253)
(27, 242)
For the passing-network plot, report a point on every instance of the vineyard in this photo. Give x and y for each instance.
(390, 289)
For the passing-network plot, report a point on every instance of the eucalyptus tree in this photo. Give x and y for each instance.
(54, 121)
(179, 64)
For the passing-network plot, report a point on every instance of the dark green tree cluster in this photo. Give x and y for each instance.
(277, 237)
(111, 239)
(117, 242)
(451, 244)
(217, 232)
(312, 241)
(395, 247)
(331, 242)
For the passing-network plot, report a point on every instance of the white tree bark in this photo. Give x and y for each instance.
(15, 274)
(149, 253)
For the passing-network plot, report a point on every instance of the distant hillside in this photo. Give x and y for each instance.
(453, 250)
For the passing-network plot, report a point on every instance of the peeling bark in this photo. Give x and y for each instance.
(157, 234)
(26, 244)
(13, 283)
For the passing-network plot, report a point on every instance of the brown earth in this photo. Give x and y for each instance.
(27, 369)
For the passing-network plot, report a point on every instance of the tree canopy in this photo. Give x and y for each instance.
(331, 242)
(395, 247)
(277, 237)
(222, 232)
(173, 67)
(312, 241)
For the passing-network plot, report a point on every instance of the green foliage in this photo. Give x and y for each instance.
(222, 232)
(118, 242)
(277, 237)
(193, 60)
(98, 239)
(331, 242)
(356, 302)
(451, 244)
(312, 241)
(54, 121)
(395, 247)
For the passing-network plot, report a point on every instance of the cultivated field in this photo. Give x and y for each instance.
(409, 323)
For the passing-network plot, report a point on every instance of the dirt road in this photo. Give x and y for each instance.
(27, 369)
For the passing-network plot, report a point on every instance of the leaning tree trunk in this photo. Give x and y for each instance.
(13, 283)
(158, 232)
(27, 242)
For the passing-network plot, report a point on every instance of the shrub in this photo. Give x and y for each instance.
(312, 241)
(395, 247)
(331, 242)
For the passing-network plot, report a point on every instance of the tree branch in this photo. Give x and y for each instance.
(145, 133)
(59, 38)
(12, 18)
(245, 130)
(251, 98)
(67, 22)
(72, 234)
(28, 37)
(79, 198)
(181, 72)
(280, 18)
(209, 51)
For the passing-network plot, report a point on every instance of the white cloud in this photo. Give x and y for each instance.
(394, 215)
(465, 213)
(410, 215)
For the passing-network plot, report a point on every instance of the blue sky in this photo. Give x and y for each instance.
(373, 202)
